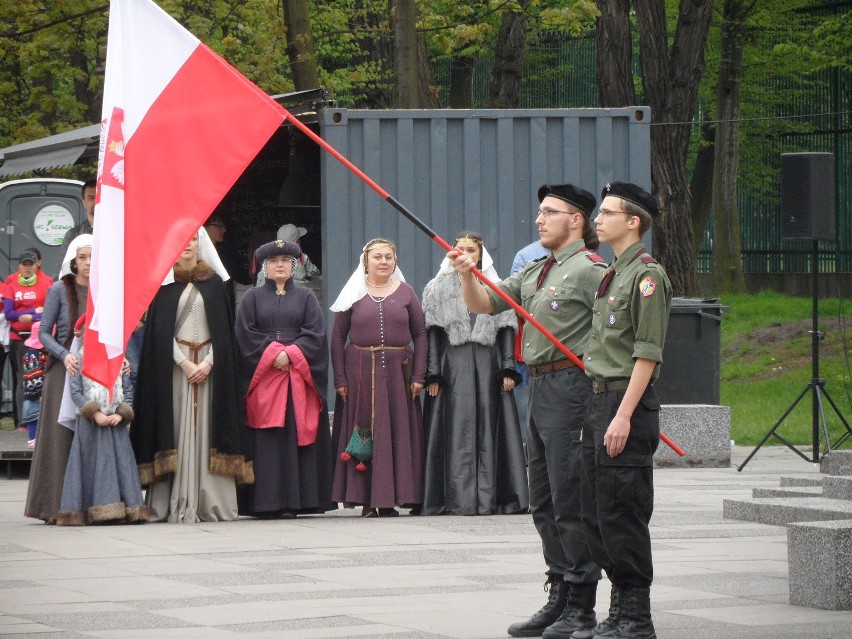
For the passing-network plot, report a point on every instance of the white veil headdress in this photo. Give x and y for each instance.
(356, 286)
(487, 269)
(207, 253)
(83, 240)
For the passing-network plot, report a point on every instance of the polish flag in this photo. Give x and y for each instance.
(178, 127)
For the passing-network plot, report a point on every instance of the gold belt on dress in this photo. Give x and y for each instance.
(373, 350)
(194, 348)
(192, 345)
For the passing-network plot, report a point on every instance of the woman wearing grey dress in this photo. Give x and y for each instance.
(66, 301)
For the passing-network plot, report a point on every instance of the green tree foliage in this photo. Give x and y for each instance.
(788, 47)
(51, 66)
(52, 56)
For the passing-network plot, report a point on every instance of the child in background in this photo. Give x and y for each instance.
(32, 367)
(4, 329)
(101, 481)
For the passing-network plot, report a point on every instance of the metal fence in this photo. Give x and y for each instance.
(559, 71)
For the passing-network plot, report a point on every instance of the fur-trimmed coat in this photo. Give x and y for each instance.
(152, 434)
(474, 455)
(444, 307)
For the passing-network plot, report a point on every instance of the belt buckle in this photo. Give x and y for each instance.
(598, 387)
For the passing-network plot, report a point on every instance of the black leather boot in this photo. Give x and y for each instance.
(557, 591)
(607, 624)
(579, 613)
(635, 620)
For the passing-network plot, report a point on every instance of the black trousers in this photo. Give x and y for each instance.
(16, 354)
(557, 410)
(621, 489)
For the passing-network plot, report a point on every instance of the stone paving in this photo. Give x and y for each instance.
(409, 577)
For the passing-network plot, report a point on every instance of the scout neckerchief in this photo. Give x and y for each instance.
(549, 263)
(610, 273)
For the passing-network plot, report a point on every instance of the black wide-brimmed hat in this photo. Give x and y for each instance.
(633, 193)
(574, 195)
(271, 249)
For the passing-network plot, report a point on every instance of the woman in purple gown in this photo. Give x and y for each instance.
(378, 378)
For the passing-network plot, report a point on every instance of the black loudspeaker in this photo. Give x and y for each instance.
(807, 196)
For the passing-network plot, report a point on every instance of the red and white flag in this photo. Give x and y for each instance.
(178, 127)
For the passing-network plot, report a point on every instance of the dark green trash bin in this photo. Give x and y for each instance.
(692, 353)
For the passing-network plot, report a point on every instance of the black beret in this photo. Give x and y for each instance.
(278, 247)
(632, 193)
(575, 196)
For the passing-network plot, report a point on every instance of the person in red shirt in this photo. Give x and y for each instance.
(27, 292)
(4, 328)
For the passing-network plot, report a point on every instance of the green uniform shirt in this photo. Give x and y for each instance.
(629, 320)
(563, 304)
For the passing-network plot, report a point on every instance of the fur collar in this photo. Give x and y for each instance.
(444, 306)
(200, 273)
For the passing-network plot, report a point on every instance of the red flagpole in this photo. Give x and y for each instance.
(444, 245)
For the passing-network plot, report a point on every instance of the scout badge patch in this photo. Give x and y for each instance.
(647, 286)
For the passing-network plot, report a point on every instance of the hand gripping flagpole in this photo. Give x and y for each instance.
(444, 245)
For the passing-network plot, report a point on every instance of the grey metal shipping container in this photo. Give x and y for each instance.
(464, 169)
(454, 169)
(37, 213)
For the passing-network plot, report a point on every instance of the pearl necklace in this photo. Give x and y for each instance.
(385, 285)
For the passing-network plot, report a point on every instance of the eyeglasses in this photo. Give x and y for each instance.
(610, 212)
(550, 212)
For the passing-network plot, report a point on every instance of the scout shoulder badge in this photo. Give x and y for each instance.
(647, 286)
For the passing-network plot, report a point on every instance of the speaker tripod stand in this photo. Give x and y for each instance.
(816, 388)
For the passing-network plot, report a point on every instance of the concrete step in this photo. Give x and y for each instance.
(782, 511)
(837, 487)
(820, 564)
(793, 491)
(837, 462)
(789, 482)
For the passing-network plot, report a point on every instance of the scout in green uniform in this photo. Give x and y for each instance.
(559, 292)
(622, 430)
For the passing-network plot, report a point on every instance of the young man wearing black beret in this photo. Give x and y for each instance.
(622, 431)
(559, 292)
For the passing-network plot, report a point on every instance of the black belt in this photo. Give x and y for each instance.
(602, 386)
(541, 369)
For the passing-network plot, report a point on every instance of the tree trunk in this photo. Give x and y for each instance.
(614, 54)
(426, 90)
(461, 82)
(406, 95)
(300, 45)
(670, 79)
(727, 254)
(701, 186)
(372, 32)
(504, 90)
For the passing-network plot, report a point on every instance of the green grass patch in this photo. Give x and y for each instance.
(766, 364)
